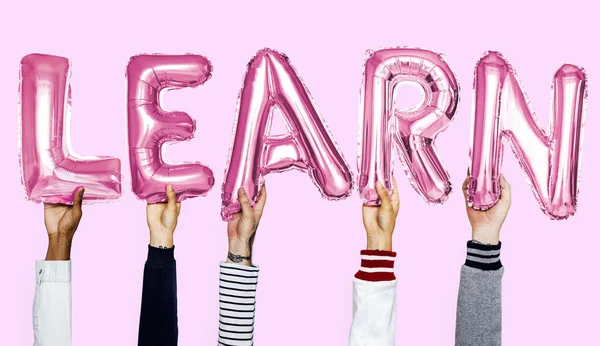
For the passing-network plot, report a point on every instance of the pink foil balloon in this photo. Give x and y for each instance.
(271, 82)
(412, 131)
(551, 161)
(49, 168)
(149, 126)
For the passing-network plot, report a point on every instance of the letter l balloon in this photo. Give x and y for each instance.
(50, 170)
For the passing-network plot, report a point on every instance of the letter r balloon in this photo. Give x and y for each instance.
(551, 161)
(412, 132)
(150, 127)
(50, 170)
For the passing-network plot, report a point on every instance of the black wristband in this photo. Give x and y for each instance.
(482, 256)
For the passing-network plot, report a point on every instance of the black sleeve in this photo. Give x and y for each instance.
(158, 318)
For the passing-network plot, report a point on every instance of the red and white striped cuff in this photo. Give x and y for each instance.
(376, 265)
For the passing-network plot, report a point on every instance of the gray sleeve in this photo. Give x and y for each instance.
(479, 308)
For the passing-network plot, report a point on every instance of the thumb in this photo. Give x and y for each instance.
(384, 196)
(171, 198)
(505, 189)
(78, 201)
(245, 204)
(465, 187)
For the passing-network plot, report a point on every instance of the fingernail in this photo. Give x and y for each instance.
(77, 190)
(242, 191)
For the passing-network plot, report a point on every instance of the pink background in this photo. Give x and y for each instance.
(307, 247)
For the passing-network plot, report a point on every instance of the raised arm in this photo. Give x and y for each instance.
(239, 276)
(158, 317)
(52, 301)
(374, 287)
(479, 308)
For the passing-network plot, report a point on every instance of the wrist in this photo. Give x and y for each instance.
(485, 236)
(382, 242)
(59, 247)
(240, 247)
(60, 237)
(158, 240)
(240, 252)
(239, 259)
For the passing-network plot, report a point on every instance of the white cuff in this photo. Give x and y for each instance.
(53, 271)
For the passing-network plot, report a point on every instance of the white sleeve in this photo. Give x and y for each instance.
(373, 313)
(52, 304)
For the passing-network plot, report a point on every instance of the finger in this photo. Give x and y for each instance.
(384, 196)
(503, 182)
(505, 188)
(245, 203)
(395, 199)
(171, 198)
(262, 200)
(77, 201)
(465, 187)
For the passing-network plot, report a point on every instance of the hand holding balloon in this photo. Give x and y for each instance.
(162, 219)
(242, 228)
(61, 222)
(380, 221)
(486, 225)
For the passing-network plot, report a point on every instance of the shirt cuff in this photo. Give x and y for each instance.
(253, 268)
(160, 257)
(482, 256)
(376, 265)
(53, 271)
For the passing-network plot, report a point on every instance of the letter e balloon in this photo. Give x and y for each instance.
(150, 127)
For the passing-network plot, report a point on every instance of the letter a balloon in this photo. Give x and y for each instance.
(308, 146)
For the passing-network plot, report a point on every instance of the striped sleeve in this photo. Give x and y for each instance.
(482, 256)
(237, 299)
(376, 265)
